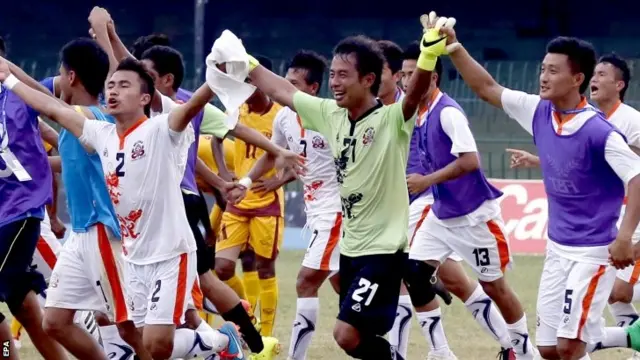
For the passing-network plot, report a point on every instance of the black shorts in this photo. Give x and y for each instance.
(369, 291)
(17, 244)
(197, 212)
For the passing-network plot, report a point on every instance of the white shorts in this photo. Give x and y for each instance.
(418, 211)
(88, 276)
(48, 249)
(160, 293)
(571, 300)
(484, 246)
(323, 252)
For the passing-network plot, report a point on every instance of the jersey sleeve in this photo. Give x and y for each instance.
(396, 118)
(277, 136)
(456, 126)
(314, 112)
(214, 122)
(94, 132)
(521, 107)
(631, 129)
(621, 158)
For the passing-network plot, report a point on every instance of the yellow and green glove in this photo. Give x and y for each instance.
(253, 63)
(433, 43)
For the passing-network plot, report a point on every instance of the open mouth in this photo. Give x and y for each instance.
(338, 95)
(112, 102)
(594, 89)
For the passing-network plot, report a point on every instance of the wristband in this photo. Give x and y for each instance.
(253, 63)
(10, 81)
(246, 182)
(426, 62)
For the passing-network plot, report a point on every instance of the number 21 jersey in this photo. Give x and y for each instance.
(143, 170)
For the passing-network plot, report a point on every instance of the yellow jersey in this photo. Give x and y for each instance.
(206, 155)
(246, 156)
(47, 146)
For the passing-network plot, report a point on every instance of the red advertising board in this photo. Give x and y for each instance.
(524, 210)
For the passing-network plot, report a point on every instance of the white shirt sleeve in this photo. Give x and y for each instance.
(167, 105)
(520, 106)
(622, 160)
(277, 136)
(456, 126)
(631, 128)
(93, 132)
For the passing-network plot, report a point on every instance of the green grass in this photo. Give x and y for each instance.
(466, 338)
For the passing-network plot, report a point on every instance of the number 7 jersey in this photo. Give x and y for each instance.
(143, 170)
(321, 191)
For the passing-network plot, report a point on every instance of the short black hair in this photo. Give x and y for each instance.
(581, 54)
(393, 55)
(144, 43)
(265, 62)
(146, 81)
(412, 52)
(3, 47)
(314, 63)
(369, 57)
(621, 65)
(166, 60)
(88, 61)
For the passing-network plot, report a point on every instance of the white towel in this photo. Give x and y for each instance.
(230, 86)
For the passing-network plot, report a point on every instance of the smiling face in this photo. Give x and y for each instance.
(124, 93)
(348, 87)
(557, 78)
(605, 84)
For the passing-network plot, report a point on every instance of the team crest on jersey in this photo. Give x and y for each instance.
(138, 150)
(290, 138)
(318, 142)
(368, 136)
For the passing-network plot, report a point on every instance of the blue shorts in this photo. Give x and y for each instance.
(369, 291)
(18, 241)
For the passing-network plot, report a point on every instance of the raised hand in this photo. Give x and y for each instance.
(436, 31)
(99, 17)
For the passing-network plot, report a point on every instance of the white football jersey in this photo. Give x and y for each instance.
(321, 192)
(143, 170)
(627, 120)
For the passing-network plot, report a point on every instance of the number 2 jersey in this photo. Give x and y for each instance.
(321, 190)
(143, 170)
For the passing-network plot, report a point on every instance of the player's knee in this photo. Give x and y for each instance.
(159, 348)
(307, 284)
(128, 332)
(417, 278)
(568, 349)
(496, 288)
(548, 352)
(266, 268)
(346, 337)
(225, 269)
(621, 292)
(248, 261)
(455, 280)
(56, 322)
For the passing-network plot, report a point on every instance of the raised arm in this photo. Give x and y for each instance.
(25, 78)
(276, 87)
(474, 74)
(48, 134)
(44, 104)
(180, 116)
(100, 19)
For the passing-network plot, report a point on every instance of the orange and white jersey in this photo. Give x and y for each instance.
(627, 120)
(143, 170)
(321, 191)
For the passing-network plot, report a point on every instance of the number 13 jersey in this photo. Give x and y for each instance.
(143, 170)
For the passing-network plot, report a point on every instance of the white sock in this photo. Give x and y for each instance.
(487, 315)
(188, 343)
(520, 340)
(204, 327)
(624, 314)
(112, 343)
(614, 337)
(304, 326)
(433, 331)
(399, 334)
(585, 357)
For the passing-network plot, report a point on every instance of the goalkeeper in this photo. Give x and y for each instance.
(370, 143)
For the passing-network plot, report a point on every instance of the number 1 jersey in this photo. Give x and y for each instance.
(143, 170)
